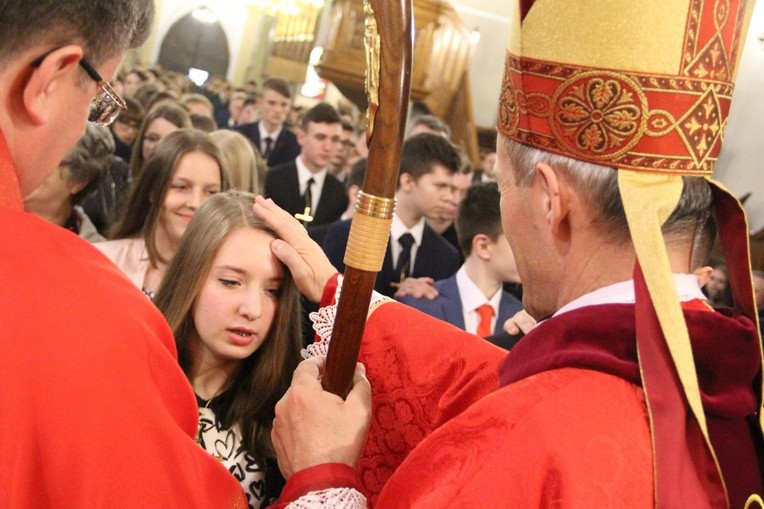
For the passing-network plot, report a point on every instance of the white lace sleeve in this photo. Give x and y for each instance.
(336, 498)
(323, 321)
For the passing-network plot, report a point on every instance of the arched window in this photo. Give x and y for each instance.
(195, 43)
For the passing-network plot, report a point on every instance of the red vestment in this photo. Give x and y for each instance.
(423, 373)
(95, 409)
(569, 428)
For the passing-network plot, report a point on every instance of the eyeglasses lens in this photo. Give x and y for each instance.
(105, 107)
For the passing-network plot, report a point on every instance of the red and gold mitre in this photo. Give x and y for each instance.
(645, 87)
(642, 85)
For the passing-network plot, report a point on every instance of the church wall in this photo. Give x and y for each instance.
(488, 60)
(741, 162)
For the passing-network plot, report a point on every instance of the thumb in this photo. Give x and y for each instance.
(361, 391)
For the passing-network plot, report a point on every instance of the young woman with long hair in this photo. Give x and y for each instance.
(246, 166)
(235, 313)
(158, 122)
(182, 172)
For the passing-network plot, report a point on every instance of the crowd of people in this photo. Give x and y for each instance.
(169, 354)
(146, 176)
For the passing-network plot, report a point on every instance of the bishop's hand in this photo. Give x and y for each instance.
(305, 259)
(313, 426)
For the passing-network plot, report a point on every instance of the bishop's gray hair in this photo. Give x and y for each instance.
(690, 221)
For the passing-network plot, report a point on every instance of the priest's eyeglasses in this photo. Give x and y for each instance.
(106, 105)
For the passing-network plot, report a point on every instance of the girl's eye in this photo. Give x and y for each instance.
(275, 291)
(211, 192)
(228, 282)
(180, 187)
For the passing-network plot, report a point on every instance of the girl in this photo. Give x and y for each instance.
(245, 164)
(158, 122)
(234, 311)
(183, 171)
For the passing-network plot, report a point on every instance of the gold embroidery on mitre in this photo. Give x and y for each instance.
(692, 33)
(712, 63)
(606, 117)
(599, 114)
(660, 123)
(631, 119)
(701, 127)
(509, 111)
(712, 60)
(538, 105)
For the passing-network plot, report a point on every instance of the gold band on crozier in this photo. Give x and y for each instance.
(367, 242)
(375, 206)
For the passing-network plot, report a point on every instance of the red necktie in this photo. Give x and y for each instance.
(484, 327)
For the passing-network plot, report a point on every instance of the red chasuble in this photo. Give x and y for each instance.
(569, 426)
(96, 411)
(423, 372)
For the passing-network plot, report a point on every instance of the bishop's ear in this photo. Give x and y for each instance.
(49, 83)
(554, 195)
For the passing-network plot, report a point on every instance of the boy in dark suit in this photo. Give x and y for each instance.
(304, 187)
(473, 299)
(414, 252)
(276, 143)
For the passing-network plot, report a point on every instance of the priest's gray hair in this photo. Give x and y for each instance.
(105, 28)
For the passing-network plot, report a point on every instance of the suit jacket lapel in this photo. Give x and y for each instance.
(278, 143)
(387, 274)
(294, 188)
(424, 254)
(322, 204)
(506, 310)
(452, 302)
(256, 136)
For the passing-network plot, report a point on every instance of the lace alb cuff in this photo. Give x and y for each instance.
(323, 319)
(336, 498)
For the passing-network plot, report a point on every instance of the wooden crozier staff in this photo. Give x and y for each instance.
(388, 40)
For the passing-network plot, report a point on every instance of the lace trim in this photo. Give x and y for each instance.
(339, 498)
(323, 321)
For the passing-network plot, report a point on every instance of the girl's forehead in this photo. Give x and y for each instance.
(249, 248)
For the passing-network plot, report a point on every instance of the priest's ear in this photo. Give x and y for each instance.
(48, 85)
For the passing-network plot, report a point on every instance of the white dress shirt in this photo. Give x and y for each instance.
(687, 289)
(472, 298)
(396, 230)
(303, 175)
(265, 134)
